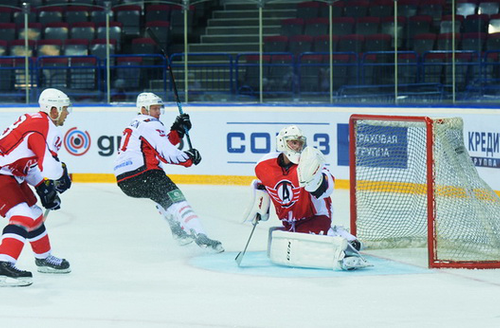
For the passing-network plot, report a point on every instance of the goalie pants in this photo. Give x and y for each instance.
(18, 205)
(152, 184)
(316, 224)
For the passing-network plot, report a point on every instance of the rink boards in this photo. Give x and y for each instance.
(232, 138)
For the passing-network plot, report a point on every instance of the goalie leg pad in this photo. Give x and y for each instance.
(306, 250)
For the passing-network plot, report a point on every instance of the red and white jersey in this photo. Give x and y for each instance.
(291, 201)
(29, 147)
(144, 145)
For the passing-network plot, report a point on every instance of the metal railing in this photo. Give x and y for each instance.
(236, 78)
(319, 77)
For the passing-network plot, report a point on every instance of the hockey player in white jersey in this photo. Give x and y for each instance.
(144, 147)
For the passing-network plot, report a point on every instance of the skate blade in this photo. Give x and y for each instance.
(216, 249)
(184, 241)
(15, 282)
(52, 270)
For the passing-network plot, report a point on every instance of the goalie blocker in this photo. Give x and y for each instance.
(259, 203)
(312, 251)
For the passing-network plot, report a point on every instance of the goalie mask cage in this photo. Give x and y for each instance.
(413, 184)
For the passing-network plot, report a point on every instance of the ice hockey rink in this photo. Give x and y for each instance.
(128, 272)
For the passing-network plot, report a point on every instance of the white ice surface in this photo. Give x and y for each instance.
(128, 272)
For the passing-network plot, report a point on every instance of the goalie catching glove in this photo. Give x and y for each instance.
(309, 169)
(258, 209)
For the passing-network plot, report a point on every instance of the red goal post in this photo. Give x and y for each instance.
(413, 185)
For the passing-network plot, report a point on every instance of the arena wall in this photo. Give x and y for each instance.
(233, 138)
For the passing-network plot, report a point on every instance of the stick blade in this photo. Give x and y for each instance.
(239, 258)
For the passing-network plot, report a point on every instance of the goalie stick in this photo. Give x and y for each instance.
(240, 255)
(174, 85)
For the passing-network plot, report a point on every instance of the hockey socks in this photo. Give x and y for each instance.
(179, 234)
(40, 243)
(44, 260)
(185, 215)
(13, 239)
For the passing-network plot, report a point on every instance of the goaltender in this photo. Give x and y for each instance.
(299, 186)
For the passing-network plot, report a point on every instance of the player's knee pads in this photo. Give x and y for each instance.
(24, 215)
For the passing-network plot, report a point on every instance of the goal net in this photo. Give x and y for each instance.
(413, 184)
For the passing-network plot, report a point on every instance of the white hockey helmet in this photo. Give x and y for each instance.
(146, 99)
(54, 98)
(291, 132)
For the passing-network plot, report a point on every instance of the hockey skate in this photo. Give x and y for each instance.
(52, 264)
(353, 263)
(204, 242)
(357, 244)
(179, 234)
(13, 277)
(353, 241)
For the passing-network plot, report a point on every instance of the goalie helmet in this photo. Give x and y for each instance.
(291, 132)
(54, 98)
(147, 99)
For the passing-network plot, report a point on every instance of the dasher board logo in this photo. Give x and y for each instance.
(77, 142)
(382, 146)
(486, 162)
(486, 144)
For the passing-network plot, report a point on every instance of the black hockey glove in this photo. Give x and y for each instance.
(64, 182)
(182, 124)
(48, 195)
(194, 155)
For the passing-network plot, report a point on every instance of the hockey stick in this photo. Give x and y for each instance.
(174, 86)
(45, 214)
(240, 255)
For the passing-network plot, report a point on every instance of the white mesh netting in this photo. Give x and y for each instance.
(391, 191)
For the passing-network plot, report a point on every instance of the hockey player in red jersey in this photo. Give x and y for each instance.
(28, 157)
(299, 186)
(145, 146)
